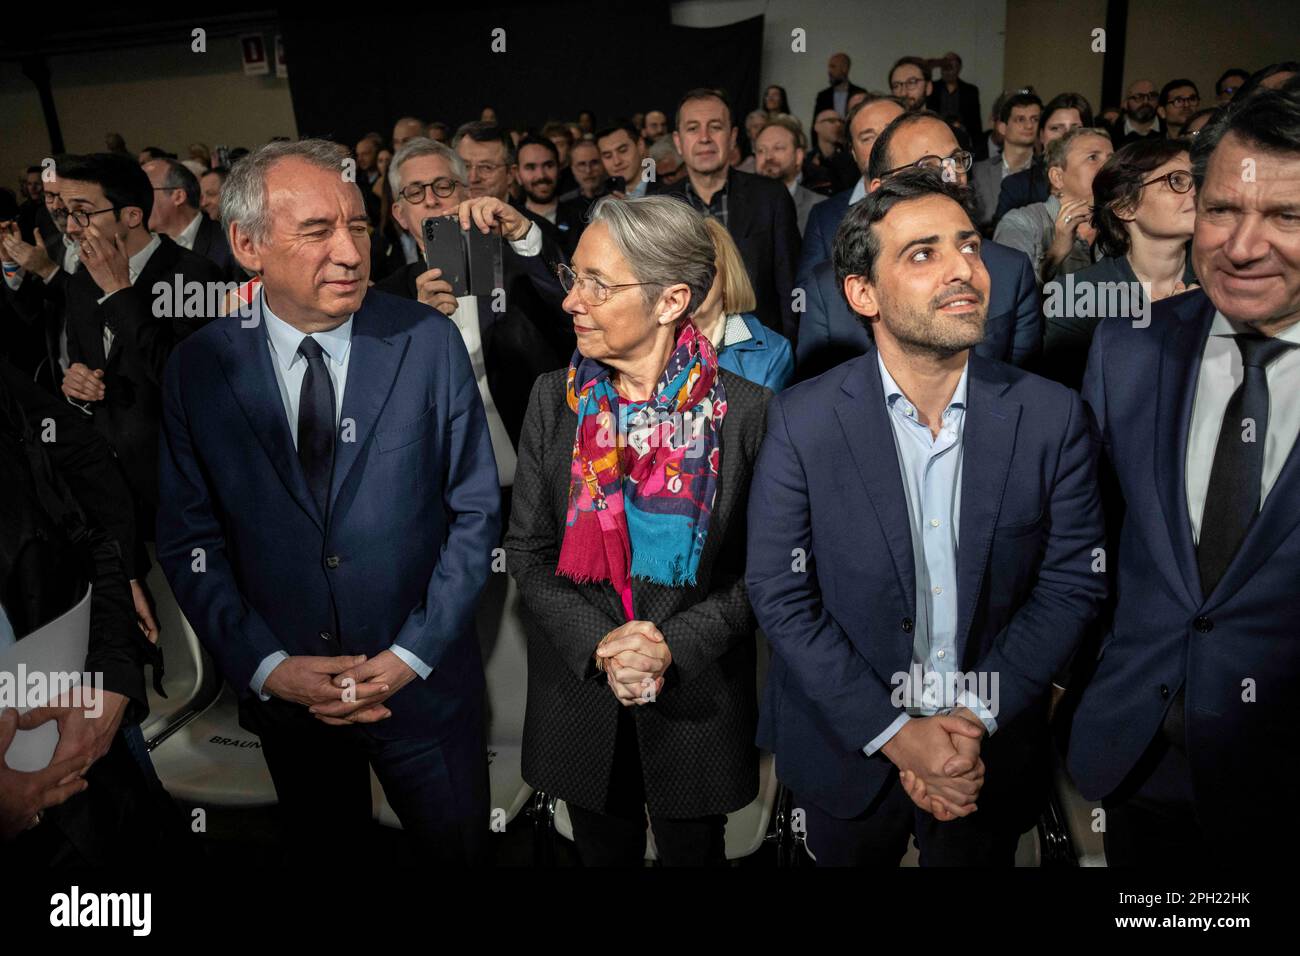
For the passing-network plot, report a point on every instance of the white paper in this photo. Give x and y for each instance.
(57, 648)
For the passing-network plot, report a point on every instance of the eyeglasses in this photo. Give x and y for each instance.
(52, 198)
(82, 216)
(1179, 180)
(1182, 102)
(960, 158)
(913, 83)
(1152, 96)
(442, 187)
(590, 289)
(485, 169)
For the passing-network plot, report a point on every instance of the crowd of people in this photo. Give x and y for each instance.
(990, 431)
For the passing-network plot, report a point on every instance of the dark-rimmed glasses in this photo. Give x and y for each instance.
(442, 187)
(1179, 180)
(960, 158)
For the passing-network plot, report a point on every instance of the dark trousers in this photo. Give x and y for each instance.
(616, 836)
(878, 838)
(1151, 819)
(438, 787)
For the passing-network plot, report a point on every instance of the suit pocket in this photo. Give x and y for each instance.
(407, 433)
(1018, 529)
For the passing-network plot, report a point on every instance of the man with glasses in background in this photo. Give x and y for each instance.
(120, 334)
(909, 79)
(506, 351)
(830, 333)
(1179, 99)
(1139, 118)
(35, 289)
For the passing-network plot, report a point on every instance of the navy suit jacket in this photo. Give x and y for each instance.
(1166, 633)
(827, 482)
(831, 332)
(413, 517)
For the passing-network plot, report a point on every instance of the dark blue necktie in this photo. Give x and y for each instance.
(316, 423)
(1232, 498)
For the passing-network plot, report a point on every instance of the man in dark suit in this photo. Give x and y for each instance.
(338, 599)
(537, 170)
(830, 332)
(958, 102)
(177, 214)
(758, 212)
(125, 310)
(36, 292)
(936, 590)
(510, 349)
(836, 96)
(1183, 730)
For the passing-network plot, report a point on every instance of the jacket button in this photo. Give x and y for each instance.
(907, 625)
(324, 635)
(1203, 625)
(1164, 691)
(332, 561)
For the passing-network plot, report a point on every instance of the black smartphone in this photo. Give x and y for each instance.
(615, 184)
(444, 248)
(485, 265)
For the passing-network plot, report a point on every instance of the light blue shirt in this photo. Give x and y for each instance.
(283, 340)
(859, 192)
(931, 471)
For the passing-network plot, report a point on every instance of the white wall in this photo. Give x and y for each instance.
(873, 33)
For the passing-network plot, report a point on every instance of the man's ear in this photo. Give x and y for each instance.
(1160, 111)
(1001, 127)
(861, 296)
(244, 249)
(929, 88)
(133, 216)
(731, 141)
(799, 155)
(1056, 176)
(677, 143)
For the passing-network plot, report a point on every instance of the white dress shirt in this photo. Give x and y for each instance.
(134, 266)
(1220, 375)
(466, 320)
(191, 232)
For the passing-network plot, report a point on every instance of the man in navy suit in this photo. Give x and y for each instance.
(330, 505)
(829, 332)
(1185, 731)
(923, 525)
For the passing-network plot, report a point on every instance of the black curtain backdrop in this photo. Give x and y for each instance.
(351, 75)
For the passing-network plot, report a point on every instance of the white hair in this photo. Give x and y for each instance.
(423, 146)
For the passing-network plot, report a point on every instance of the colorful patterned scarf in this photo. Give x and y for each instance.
(644, 474)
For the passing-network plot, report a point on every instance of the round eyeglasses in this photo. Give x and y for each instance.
(82, 216)
(442, 187)
(1179, 180)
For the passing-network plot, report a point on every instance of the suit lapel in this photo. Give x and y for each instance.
(988, 442)
(1180, 365)
(372, 368)
(870, 437)
(247, 364)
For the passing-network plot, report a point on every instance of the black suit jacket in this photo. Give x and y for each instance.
(1023, 189)
(131, 411)
(696, 740)
(570, 220)
(826, 101)
(514, 351)
(968, 114)
(211, 243)
(763, 221)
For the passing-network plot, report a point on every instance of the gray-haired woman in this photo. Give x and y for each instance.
(628, 545)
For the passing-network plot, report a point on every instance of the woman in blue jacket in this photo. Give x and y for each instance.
(744, 345)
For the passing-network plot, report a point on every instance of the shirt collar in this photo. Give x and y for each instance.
(859, 192)
(893, 393)
(1053, 204)
(735, 331)
(1222, 325)
(190, 232)
(721, 191)
(135, 265)
(285, 339)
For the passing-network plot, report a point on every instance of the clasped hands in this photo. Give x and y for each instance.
(341, 690)
(634, 657)
(939, 764)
